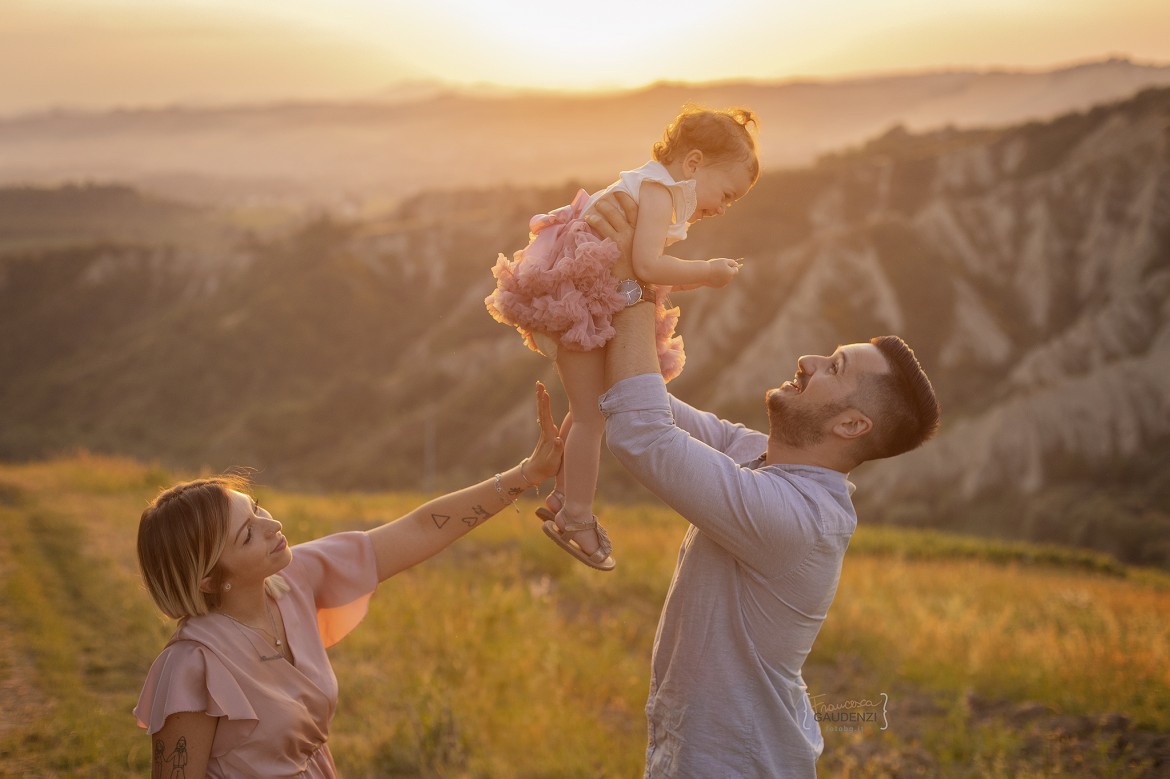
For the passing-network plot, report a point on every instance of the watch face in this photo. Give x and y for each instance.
(631, 290)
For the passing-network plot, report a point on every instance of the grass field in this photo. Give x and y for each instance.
(502, 658)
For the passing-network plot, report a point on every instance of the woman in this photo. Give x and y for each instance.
(244, 687)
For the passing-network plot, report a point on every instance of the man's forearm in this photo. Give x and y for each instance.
(632, 351)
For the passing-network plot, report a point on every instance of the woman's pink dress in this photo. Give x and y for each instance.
(561, 285)
(273, 715)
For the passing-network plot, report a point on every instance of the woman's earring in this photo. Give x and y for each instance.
(227, 586)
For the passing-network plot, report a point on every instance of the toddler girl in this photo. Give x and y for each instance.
(559, 293)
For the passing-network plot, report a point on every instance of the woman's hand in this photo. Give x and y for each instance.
(615, 216)
(430, 528)
(545, 460)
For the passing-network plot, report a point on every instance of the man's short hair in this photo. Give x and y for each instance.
(902, 403)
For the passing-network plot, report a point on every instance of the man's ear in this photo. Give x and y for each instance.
(852, 424)
(691, 162)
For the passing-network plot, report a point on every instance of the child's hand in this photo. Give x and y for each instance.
(721, 271)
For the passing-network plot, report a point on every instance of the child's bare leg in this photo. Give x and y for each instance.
(583, 376)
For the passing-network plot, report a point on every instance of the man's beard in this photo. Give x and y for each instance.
(799, 428)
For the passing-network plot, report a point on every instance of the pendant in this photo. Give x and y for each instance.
(279, 642)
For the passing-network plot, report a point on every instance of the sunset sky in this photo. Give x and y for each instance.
(149, 52)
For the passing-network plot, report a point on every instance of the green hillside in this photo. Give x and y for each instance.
(502, 658)
(1027, 265)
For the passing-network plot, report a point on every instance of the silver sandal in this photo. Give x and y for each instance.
(600, 559)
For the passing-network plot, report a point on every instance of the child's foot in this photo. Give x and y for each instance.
(585, 533)
(585, 540)
(553, 503)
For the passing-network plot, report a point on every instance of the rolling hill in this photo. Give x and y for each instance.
(1027, 264)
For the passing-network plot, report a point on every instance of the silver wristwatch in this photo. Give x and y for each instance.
(634, 291)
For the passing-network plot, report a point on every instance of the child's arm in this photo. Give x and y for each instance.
(655, 211)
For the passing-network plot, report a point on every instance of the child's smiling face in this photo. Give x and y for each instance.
(718, 185)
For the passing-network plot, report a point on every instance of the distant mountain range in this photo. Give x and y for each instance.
(1028, 265)
(354, 154)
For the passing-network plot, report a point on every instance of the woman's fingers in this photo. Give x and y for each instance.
(544, 411)
(548, 452)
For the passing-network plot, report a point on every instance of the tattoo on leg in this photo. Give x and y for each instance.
(440, 520)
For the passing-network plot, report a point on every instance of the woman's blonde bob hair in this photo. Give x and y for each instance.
(181, 536)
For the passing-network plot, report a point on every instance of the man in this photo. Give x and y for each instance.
(771, 517)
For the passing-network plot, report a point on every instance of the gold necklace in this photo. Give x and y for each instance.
(273, 637)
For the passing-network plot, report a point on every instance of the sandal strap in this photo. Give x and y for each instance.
(605, 546)
(576, 527)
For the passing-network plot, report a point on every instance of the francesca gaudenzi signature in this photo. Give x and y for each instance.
(850, 714)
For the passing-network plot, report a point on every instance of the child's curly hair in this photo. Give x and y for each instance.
(720, 135)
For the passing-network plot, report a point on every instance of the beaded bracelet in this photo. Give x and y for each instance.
(500, 487)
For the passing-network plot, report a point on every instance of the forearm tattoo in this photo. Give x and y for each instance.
(478, 514)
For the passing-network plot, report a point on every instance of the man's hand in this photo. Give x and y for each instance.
(615, 216)
(721, 271)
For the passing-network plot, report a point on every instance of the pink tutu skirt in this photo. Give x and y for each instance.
(561, 285)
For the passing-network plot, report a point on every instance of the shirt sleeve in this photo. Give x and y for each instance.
(341, 572)
(756, 515)
(188, 677)
(731, 438)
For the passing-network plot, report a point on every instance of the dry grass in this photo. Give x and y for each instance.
(502, 658)
(1081, 643)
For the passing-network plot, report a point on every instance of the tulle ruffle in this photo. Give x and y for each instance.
(562, 285)
(671, 357)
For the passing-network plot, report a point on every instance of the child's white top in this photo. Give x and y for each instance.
(682, 193)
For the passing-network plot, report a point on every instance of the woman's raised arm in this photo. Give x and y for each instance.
(436, 524)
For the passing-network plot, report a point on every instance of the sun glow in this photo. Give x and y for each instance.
(606, 42)
(156, 51)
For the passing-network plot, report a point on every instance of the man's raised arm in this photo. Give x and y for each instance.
(701, 483)
(632, 351)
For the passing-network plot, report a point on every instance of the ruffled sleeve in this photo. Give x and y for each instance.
(188, 677)
(341, 572)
